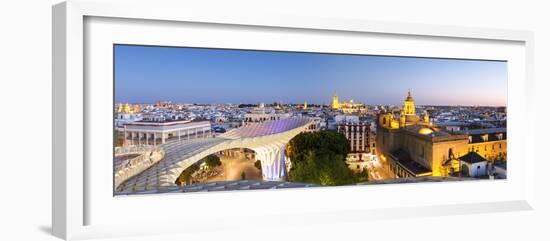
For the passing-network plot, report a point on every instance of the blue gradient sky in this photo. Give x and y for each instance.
(145, 74)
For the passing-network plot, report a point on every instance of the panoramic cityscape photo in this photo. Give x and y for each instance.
(192, 119)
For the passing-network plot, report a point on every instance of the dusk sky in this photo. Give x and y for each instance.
(145, 74)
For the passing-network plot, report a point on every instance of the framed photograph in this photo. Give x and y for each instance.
(283, 119)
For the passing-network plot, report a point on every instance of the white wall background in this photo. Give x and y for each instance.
(25, 119)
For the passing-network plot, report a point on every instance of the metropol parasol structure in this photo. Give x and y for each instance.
(159, 168)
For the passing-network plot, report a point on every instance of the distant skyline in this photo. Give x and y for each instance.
(145, 74)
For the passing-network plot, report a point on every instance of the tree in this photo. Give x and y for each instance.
(363, 175)
(212, 161)
(247, 105)
(319, 158)
(185, 176)
(322, 141)
(258, 164)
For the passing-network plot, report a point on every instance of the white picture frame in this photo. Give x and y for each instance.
(75, 201)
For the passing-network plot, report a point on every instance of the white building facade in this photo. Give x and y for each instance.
(153, 133)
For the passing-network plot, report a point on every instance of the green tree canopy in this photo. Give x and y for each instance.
(319, 158)
(258, 164)
(322, 141)
(185, 176)
(212, 161)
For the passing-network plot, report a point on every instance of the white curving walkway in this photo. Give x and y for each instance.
(267, 139)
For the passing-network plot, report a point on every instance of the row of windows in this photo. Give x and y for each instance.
(342, 130)
(476, 149)
(500, 156)
(485, 137)
(354, 129)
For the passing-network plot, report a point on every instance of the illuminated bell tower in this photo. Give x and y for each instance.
(127, 108)
(408, 105)
(335, 102)
(119, 108)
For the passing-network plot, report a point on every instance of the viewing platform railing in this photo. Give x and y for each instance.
(125, 169)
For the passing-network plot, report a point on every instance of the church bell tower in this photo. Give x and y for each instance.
(408, 105)
(335, 102)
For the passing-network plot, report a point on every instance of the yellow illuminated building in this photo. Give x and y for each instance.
(128, 109)
(136, 108)
(348, 107)
(411, 146)
(408, 105)
(406, 117)
(335, 102)
(488, 143)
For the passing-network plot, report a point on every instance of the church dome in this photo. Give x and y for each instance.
(409, 97)
(425, 131)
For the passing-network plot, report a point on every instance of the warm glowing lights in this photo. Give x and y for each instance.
(335, 102)
(128, 109)
(136, 108)
(408, 105)
(119, 108)
(348, 107)
(425, 131)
